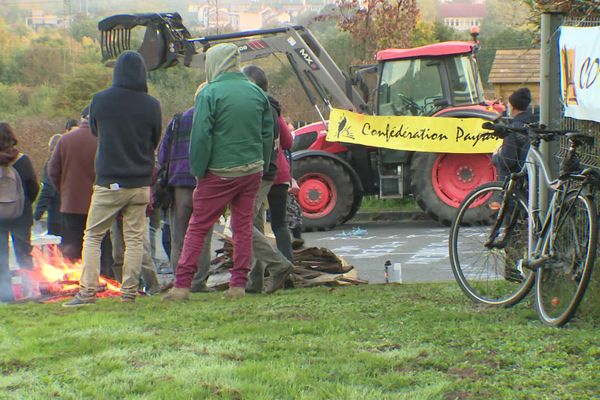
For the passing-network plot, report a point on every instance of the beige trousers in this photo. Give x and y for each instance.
(106, 204)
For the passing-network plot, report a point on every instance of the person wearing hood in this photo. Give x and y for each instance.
(18, 228)
(230, 148)
(511, 155)
(127, 122)
(274, 186)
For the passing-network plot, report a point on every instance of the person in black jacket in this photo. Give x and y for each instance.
(511, 155)
(49, 200)
(19, 228)
(127, 121)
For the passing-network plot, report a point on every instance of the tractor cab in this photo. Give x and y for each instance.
(436, 80)
(425, 80)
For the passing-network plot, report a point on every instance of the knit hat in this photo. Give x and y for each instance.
(520, 99)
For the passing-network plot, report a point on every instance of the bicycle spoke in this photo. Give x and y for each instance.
(562, 280)
(485, 273)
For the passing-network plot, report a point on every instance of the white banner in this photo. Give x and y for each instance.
(580, 72)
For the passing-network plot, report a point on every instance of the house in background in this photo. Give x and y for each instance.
(40, 19)
(513, 69)
(462, 16)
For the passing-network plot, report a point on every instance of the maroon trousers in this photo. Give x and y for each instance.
(212, 194)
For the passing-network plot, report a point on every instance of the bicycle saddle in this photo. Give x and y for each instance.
(580, 138)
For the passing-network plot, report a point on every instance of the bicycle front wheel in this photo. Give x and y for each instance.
(487, 274)
(571, 244)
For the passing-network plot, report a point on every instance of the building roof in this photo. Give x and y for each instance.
(516, 66)
(462, 10)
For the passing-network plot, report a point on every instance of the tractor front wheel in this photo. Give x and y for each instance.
(439, 182)
(326, 193)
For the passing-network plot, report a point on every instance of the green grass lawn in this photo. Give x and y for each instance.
(423, 341)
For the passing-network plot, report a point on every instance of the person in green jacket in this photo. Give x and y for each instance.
(230, 148)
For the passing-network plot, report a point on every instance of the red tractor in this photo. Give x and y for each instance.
(436, 80)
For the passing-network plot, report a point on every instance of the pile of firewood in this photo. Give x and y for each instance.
(313, 266)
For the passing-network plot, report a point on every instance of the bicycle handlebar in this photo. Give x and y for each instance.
(501, 130)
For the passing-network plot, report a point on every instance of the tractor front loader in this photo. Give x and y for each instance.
(435, 80)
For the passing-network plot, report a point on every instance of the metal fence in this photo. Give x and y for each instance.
(589, 156)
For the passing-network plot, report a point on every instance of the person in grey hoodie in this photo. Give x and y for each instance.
(127, 121)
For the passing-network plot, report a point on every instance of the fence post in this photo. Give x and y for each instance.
(550, 97)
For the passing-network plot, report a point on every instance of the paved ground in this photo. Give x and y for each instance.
(417, 249)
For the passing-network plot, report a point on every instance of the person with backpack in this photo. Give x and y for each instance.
(174, 161)
(18, 190)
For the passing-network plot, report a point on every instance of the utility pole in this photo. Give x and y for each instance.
(66, 25)
(550, 106)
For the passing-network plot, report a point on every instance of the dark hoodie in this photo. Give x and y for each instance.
(271, 172)
(127, 121)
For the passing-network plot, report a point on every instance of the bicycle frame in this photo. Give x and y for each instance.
(549, 214)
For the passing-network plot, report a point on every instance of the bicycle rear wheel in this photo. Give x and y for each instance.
(561, 281)
(491, 276)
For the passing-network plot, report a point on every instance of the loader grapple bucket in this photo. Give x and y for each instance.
(164, 40)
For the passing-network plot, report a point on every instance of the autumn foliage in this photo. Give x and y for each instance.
(378, 24)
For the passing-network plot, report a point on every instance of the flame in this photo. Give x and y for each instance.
(55, 277)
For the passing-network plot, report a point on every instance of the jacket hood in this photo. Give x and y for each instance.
(224, 57)
(130, 72)
(275, 104)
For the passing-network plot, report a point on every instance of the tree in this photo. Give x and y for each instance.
(77, 88)
(378, 24)
(83, 26)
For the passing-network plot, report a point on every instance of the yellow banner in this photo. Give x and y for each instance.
(427, 134)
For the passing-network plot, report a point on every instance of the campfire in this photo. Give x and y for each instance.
(54, 278)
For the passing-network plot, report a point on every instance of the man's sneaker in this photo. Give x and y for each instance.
(80, 301)
(235, 292)
(278, 280)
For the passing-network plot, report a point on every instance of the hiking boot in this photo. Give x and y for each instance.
(177, 294)
(278, 280)
(235, 292)
(78, 301)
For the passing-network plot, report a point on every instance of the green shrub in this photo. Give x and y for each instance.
(9, 100)
(41, 101)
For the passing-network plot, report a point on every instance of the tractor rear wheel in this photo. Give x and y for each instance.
(439, 182)
(326, 193)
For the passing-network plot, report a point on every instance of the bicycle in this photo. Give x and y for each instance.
(515, 243)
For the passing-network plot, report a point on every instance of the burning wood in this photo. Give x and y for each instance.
(54, 278)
